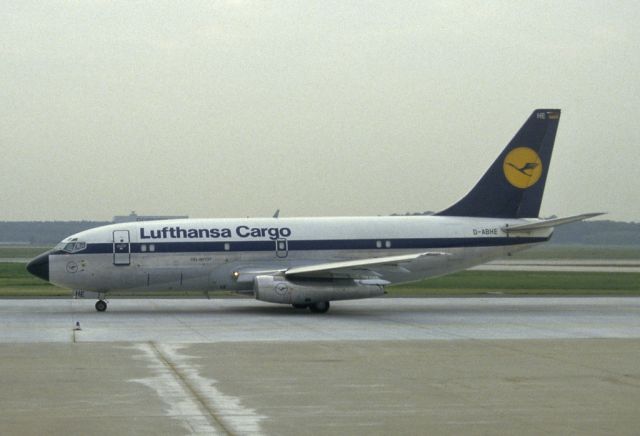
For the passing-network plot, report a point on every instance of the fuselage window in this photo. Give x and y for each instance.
(74, 247)
(387, 244)
(379, 244)
(143, 247)
(152, 247)
(227, 247)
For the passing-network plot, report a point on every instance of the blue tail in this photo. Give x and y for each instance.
(514, 184)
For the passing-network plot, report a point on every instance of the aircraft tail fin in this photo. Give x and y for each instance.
(514, 184)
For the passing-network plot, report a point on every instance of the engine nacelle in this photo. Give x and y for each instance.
(280, 290)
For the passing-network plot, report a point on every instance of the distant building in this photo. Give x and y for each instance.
(132, 217)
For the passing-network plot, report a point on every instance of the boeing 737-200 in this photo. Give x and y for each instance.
(308, 262)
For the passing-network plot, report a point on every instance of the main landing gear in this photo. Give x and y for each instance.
(101, 305)
(320, 307)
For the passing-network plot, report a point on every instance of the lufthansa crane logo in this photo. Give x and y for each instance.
(281, 288)
(522, 167)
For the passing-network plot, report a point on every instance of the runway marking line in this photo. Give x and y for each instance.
(215, 420)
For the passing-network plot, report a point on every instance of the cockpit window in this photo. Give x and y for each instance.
(71, 247)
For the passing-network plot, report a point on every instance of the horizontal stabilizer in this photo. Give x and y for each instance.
(545, 224)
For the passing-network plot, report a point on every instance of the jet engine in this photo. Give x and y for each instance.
(305, 292)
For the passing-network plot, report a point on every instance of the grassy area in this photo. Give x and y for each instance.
(523, 283)
(579, 252)
(15, 281)
(21, 251)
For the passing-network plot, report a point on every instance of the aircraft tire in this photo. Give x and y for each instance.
(101, 305)
(321, 307)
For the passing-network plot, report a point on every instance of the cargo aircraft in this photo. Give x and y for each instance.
(309, 262)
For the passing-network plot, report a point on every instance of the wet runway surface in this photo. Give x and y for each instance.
(240, 320)
(380, 366)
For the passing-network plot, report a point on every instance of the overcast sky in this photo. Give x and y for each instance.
(237, 108)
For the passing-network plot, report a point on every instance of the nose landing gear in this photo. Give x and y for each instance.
(101, 305)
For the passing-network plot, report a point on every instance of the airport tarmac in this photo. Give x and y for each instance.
(380, 366)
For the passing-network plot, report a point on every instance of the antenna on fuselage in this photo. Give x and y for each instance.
(277, 213)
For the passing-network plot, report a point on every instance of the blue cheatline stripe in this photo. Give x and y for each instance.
(325, 244)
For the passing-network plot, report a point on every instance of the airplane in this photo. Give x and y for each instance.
(310, 262)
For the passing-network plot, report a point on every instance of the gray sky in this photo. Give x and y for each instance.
(236, 108)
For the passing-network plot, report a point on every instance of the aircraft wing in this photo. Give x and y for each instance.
(544, 224)
(353, 269)
(358, 268)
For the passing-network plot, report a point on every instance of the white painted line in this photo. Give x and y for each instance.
(236, 417)
(180, 404)
(192, 399)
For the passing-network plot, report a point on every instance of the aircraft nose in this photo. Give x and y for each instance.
(39, 266)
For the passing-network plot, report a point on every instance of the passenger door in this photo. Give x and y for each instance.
(121, 247)
(282, 248)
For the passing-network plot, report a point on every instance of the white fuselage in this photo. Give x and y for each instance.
(204, 254)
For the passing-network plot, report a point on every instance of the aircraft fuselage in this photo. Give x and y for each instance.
(206, 254)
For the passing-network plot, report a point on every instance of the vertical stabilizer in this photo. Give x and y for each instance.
(514, 184)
